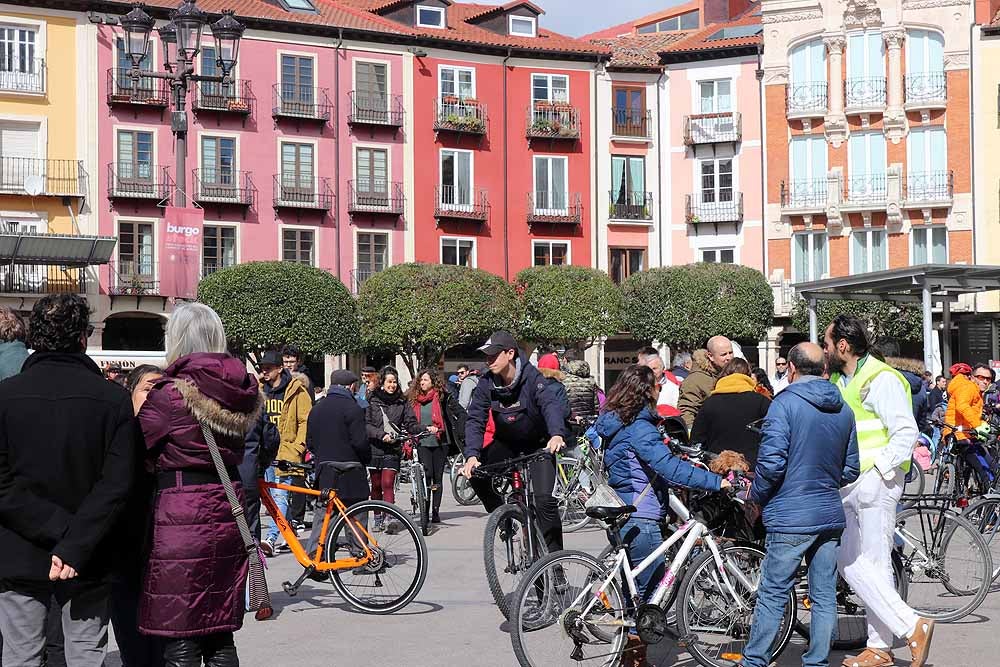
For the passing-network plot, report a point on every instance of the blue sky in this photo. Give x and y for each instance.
(580, 17)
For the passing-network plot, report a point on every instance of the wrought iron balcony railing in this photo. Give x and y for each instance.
(555, 207)
(375, 196)
(452, 114)
(929, 187)
(713, 207)
(133, 278)
(375, 109)
(234, 97)
(359, 276)
(51, 178)
(293, 192)
(224, 186)
(462, 203)
(127, 180)
(635, 123)
(144, 91)
(865, 189)
(808, 98)
(22, 75)
(804, 193)
(713, 128)
(630, 205)
(926, 89)
(42, 279)
(861, 93)
(301, 102)
(210, 266)
(553, 120)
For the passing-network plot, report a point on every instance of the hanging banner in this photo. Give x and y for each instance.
(180, 265)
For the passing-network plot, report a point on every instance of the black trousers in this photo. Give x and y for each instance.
(217, 650)
(433, 459)
(543, 481)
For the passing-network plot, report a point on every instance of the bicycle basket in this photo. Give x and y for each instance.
(725, 517)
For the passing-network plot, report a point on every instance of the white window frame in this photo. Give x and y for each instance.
(456, 240)
(715, 95)
(549, 242)
(719, 250)
(511, 18)
(155, 222)
(912, 65)
(927, 230)
(371, 230)
(456, 69)
(472, 178)
(868, 233)
(40, 28)
(812, 235)
(236, 242)
(281, 242)
(40, 218)
(440, 25)
(548, 84)
(534, 182)
(315, 149)
(715, 162)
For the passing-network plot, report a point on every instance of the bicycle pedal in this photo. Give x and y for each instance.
(684, 641)
(290, 589)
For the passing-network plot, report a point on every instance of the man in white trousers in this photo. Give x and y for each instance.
(887, 432)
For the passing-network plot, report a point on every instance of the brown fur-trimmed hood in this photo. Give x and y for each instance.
(904, 364)
(702, 363)
(220, 419)
(552, 374)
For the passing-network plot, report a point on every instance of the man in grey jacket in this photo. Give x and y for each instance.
(468, 379)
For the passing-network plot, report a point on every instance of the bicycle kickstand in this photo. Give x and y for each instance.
(292, 589)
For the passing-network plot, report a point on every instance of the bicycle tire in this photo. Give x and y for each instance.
(926, 569)
(422, 511)
(984, 515)
(572, 510)
(376, 578)
(503, 517)
(530, 585)
(915, 482)
(688, 625)
(463, 492)
(944, 480)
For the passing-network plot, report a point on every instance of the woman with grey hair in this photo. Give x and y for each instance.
(194, 581)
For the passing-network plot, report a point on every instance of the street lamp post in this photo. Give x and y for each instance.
(181, 39)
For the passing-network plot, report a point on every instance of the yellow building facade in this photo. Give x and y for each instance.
(986, 148)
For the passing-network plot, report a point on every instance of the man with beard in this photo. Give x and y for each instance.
(880, 397)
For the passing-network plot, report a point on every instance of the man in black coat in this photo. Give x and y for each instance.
(68, 447)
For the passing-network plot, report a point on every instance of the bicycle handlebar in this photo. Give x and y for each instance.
(410, 437)
(285, 466)
(501, 468)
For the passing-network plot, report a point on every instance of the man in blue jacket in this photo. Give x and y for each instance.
(809, 450)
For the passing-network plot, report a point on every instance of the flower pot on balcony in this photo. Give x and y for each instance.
(541, 126)
(542, 105)
(449, 99)
(470, 102)
(562, 106)
(121, 97)
(239, 106)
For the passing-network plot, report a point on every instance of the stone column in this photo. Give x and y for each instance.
(895, 117)
(835, 121)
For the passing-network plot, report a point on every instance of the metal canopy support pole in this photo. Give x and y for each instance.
(928, 327)
(946, 335)
(813, 327)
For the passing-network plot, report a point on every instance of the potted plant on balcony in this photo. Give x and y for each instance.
(562, 105)
(543, 105)
(541, 126)
(449, 99)
(238, 105)
(470, 102)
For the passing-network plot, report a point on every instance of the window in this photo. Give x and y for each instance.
(373, 254)
(686, 21)
(371, 91)
(135, 250)
(458, 82)
(807, 184)
(297, 171)
(18, 140)
(456, 179)
(123, 82)
(718, 255)
(523, 26)
(715, 96)
(629, 112)
(20, 69)
(218, 161)
(924, 52)
(866, 166)
(213, 93)
(372, 184)
(809, 256)
(807, 89)
(865, 70)
(551, 196)
(298, 245)
(458, 252)
(624, 262)
(869, 250)
(549, 88)
(716, 181)
(299, 5)
(628, 186)
(927, 177)
(297, 80)
(218, 249)
(550, 253)
(930, 245)
(135, 156)
(125, 62)
(430, 17)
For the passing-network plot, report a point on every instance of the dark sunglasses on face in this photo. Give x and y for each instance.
(780, 364)
(985, 378)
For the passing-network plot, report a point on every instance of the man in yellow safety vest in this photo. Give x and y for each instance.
(887, 432)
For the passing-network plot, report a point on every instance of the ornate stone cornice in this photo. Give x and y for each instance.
(776, 75)
(862, 14)
(894, 38)
(835, 44)
(788, 17)
(956, 60)
(929, 4)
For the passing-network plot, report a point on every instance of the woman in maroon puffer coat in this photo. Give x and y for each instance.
(194, 582)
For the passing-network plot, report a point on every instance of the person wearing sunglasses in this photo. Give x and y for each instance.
(965, 409)
(780, 380)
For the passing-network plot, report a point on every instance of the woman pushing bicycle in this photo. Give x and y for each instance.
(389, 414)
(436, 411)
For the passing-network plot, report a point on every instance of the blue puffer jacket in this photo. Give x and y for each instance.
(809, 450)
(635, 453)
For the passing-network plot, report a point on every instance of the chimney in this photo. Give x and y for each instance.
(720, 11)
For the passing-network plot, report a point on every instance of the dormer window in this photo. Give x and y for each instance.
(430, 17)
(523, 26)
(299, 5)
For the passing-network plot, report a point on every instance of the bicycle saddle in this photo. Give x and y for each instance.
(340, 466)
(608, 513)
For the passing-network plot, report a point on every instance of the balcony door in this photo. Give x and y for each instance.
(458, 82)
(628, 186)
(298, 95)
(146, 85)
(551, 195)
(715, 109)
(372, 255)
(866, 167)
(927, 164)
(456, 180)
(218, 167)
(298, 171)
(629, 112)
(807, 76)
(717, 183)
(810, 256)
(865, 69)
(218, 249)
(19, 153)
(134, 167)
(19, 68)
(371, 90)
(213, 93)
(925, 77)
(624, 262)
(807, 184)
(546, 90)
(136, 267)
(372, 177)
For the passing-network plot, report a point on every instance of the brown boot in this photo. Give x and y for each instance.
(634, 654)
(920, 642)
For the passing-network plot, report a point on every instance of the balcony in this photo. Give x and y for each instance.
(138, 181)
(929, 188)
(210, 266)
(460, 116)
(631, 124)
(553, 120)
(630, 206)
(865, 95)
(713, 207)
(451, 203)
(234, 97)
(928, 90)
(804, 195)
(712, 128)
(358, 278)
(290, 192)
(376, 198)
(373, 109)
(301, 103)
(42, 279)
(806, 100)
(230, 187)
(131, 278)
(866, 191)
(38, 176)
(554, 208)
(145, 91)
(22, 76)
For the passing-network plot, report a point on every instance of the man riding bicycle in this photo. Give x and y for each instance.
(528, 415)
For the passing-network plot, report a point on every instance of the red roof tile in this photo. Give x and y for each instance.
(640, 51)
(503, 8)
(699, 40)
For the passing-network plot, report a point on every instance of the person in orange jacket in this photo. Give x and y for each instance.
(965, 401)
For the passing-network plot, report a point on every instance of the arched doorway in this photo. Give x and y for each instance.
(133, 331)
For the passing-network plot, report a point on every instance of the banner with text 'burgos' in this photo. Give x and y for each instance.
(180, 267)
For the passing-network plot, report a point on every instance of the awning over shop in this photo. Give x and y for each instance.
(62, 249)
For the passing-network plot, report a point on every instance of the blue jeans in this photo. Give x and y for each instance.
(784, 555)
(642, 537)
(281, 500)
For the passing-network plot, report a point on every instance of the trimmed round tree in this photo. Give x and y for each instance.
(421, 310)
(268, 304)
(569, 305)
(885, 319)
(684, 306)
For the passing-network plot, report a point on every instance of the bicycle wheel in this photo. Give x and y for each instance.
(505, 552)
(398, 567)
(984, 515)
(421, 510)
(707, 611)
(914, 484)
(944, 480)
(560, 614)
(464, 494)
(947, 562)
(572, 504)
